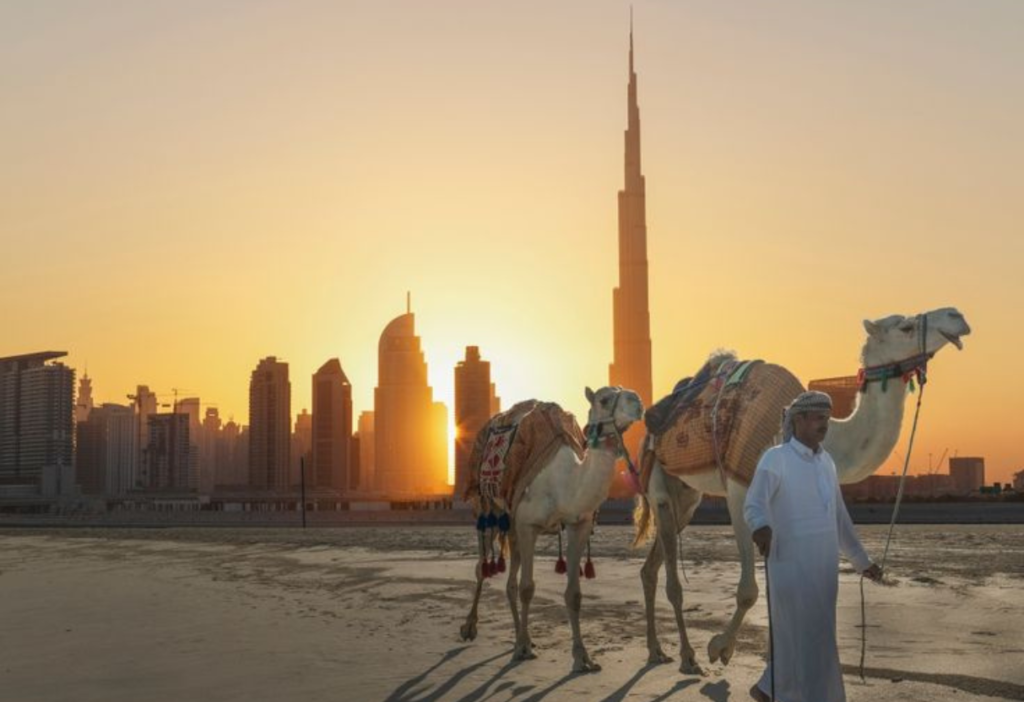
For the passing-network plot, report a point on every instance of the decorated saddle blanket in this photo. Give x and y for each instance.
(512, 447)
(721, 420)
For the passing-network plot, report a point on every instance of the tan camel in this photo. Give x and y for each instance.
(858, 444)
(566, 491)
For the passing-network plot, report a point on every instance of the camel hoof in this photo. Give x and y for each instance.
(586, 666)
(524, 653)
(720, 648)
(690, 667)
(468, 632)
(658, 657)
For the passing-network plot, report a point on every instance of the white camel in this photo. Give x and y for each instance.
(859, 445)
(565, 492)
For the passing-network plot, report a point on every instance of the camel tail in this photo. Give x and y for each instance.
(643, 518)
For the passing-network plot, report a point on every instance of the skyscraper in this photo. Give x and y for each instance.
(270, 394)
(332, 429)
(367, 451)
(84, 405)
(169, 462)
(37, 411)
(631, 367)
(105, 455)
(411, 452)
(302, 448)
(209, 440)
(475, 402)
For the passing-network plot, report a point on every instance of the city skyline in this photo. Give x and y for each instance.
(208, 207)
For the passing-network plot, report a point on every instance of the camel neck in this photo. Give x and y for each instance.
(590, 481)
(862, 442)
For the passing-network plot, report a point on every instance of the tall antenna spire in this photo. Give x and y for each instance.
(408, 302)
(631, 39)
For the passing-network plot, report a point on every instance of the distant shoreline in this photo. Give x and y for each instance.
(619, 512)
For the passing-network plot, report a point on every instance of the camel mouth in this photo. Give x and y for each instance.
(953, 339)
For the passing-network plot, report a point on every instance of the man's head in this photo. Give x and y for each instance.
(807, 419)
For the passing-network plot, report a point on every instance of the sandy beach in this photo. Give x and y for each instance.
(373, 614)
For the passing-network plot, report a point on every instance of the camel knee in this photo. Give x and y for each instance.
(675, 592)
(649, 576)
(746, 597)
(574, 599)
(526, 593)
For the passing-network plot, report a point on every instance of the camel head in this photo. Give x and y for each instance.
(896, 338)
(615, 407)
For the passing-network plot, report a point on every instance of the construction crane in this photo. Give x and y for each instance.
(932, 470)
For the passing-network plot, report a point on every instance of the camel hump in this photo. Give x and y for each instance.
(512, 446)
(747, 422)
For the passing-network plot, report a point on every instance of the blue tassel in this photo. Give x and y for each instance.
(492, 521)
(481, 523)
(504, 523)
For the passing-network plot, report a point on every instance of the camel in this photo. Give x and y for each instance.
(896, 346)
(565, 491)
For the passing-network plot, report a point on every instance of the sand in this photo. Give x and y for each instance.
(374, 613)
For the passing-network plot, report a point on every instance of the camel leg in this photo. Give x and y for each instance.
(526, 538)
(684, 500)
(577, 535)
(649, 578)
(512, 586)
(468, 629)
(723, 645)
(668, 537)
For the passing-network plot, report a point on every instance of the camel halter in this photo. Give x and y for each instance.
(920, 370)
(907, 369)
(595, 433)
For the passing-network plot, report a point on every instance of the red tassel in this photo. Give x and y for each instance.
(589, 571)
(560, 567)
(494, 567)
(501, 564)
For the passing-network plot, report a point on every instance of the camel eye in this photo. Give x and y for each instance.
(907, 328)
(604, 402)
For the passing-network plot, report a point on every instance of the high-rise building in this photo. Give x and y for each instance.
(169, 462)
(105, 454)
(209, 440)
(332, 428)
(302, 448)
(367, 449)
(84, 405)
(475, 403)
(232, 471)
(37, 411)
(270, 411)
(843, 391)
(631, 367)
(145, 407)
(411, 456)
(967, 473)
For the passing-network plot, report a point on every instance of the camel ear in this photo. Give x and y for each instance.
(590, 395)
(872, 328)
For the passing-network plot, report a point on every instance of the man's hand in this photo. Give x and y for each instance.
(873, 572)
(763, 539)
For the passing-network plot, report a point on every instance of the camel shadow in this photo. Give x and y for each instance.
(418, 690)
(620, 694)
(719, 691)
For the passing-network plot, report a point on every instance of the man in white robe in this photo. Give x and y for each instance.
(800, 524)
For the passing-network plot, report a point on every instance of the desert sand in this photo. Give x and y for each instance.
(373, 614)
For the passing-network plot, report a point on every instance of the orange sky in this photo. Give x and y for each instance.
(190, 186)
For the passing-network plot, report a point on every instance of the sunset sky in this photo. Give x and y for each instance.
(189, 186)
